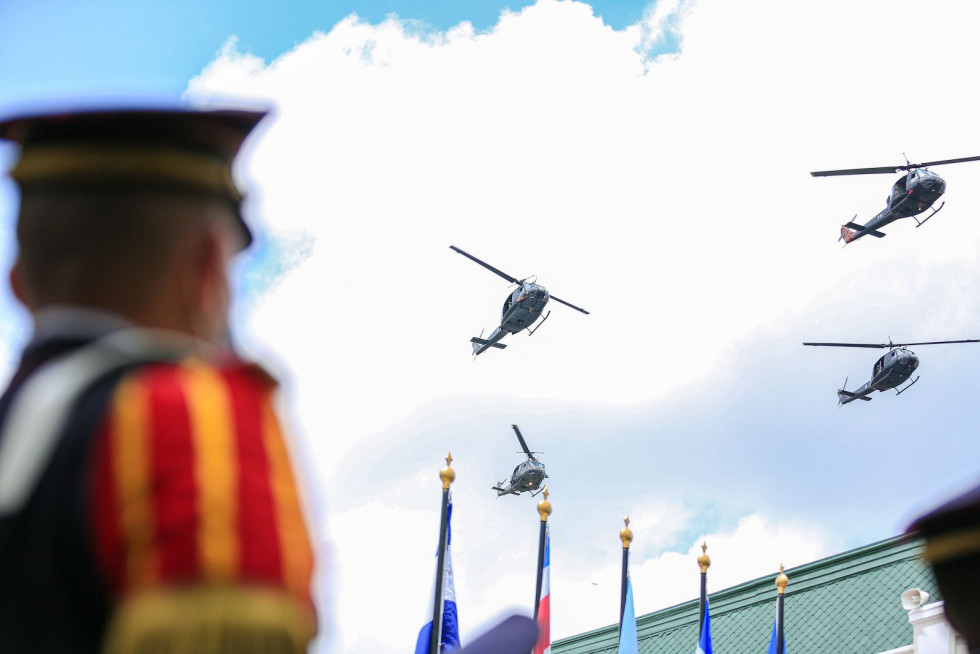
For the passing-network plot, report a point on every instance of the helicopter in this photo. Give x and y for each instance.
(527, 476)
(522, 308)
(890, 371)
(913, 193)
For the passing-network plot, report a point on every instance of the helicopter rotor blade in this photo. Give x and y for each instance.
(523, 444)
(512, 280)
(871, 345)
(859, 171)
(941, 162)
(890, 345)
(569, 304)
(890, 169)
(968, 340)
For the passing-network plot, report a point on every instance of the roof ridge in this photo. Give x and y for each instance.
(809, 576)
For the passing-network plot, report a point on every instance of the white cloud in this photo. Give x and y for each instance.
(382, 565)
(668, 195)
(755, 548)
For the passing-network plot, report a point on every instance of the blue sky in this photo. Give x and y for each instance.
(53, 48)
(651, 167)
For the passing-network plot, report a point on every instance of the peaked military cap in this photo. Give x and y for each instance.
(133, 148)
(952, 534)
(952, 531)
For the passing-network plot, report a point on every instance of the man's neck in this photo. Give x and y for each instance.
(75, 321)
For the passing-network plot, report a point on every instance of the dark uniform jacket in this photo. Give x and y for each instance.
(167, 491)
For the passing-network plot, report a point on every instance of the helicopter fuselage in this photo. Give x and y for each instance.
(914, 192)
(890, 371)
(522, 308)
(527, 477)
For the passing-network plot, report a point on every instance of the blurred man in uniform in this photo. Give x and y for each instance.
(952, 534)
(147, 500)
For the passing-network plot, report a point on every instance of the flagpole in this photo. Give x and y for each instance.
(447, 475)
(705, 562)
(781, 582)
(627, 537)
(544, 510)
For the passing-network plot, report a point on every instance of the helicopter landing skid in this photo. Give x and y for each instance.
(911, 384)
(923, 222)
(530, 332)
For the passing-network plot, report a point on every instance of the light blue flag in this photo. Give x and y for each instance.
(773, 642)
(627, 635)
(704, 644)
(450, 625)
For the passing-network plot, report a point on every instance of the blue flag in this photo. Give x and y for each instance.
(704, 644)
(774, 641)
(450, 625)
(627, 634)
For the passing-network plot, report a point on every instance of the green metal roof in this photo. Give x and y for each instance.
(846, 603)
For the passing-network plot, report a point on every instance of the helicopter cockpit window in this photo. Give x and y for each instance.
(899, 189)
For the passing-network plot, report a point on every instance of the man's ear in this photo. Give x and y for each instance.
(17, 285)
(216, 249)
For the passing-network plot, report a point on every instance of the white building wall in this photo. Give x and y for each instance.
(931, 633)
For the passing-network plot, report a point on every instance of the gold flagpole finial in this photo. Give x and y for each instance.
(447, 474)
(782, 580)
(704, 560)
(626, 535)
(544, 506)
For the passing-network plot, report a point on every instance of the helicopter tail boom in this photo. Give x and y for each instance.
(481, 344)
(848, 396)
(504, 491)
(872, 232)
(852, 231)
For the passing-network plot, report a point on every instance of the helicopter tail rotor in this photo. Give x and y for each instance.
(842, 392)
(848, 232)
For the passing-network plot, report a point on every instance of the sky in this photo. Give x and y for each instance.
(647, 162)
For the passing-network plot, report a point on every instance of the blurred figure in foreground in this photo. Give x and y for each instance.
(952, 534)
(147, 500)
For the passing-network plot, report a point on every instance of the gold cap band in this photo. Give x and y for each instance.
(951, 546)
(100, 164)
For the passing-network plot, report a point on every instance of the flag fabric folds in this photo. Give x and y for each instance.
(704, 643)
(543, 645)
(628, 643)
(450, 625)
(774, 644)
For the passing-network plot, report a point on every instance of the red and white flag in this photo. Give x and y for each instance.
(543, 645)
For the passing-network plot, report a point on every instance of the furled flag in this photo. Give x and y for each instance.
(627, 633)
(450, 626)
(704, 643)
(774, 644)
(543, 645)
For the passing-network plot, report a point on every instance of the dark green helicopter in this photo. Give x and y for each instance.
(522, 308)
(527, 476)
(913, 193)
(890, 371)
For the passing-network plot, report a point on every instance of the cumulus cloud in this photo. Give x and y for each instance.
(754, 548)
(655, 175)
